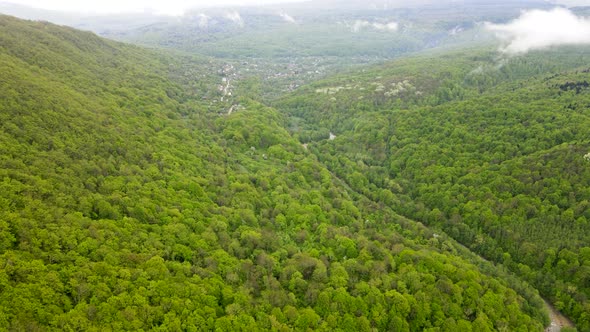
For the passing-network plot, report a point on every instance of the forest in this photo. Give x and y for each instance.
(436, 192)
(492, 157)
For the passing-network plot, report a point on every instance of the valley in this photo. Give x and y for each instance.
(346, 168)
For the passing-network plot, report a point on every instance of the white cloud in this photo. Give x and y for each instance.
(539, 29)
(235, 17)
(287, 18)
(203, 20)
(359, 25)
(391, 26)
(456, 30)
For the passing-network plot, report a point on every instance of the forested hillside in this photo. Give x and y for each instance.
(128, 202)
(494, 152)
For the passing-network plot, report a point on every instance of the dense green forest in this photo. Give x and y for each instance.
(491, 151)
(128, 202)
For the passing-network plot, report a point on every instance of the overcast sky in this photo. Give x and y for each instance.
(168, 7)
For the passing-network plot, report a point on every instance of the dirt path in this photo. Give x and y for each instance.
(558, 321)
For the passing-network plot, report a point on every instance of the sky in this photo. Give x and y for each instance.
(165, 7)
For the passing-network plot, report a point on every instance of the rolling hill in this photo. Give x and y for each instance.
(491, 151)
(129, 201)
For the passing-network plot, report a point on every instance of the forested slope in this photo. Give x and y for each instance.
(127, 204)
(490, 151)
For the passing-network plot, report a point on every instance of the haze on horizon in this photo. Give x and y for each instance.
(168, 7)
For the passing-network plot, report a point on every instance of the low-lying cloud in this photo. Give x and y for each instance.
(359, 25)
(456, 30)
(203, 20)
(287, 18)
(235, 17)
(540, 29)
(391, 26)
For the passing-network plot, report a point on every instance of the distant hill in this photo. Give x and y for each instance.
(347, 29)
